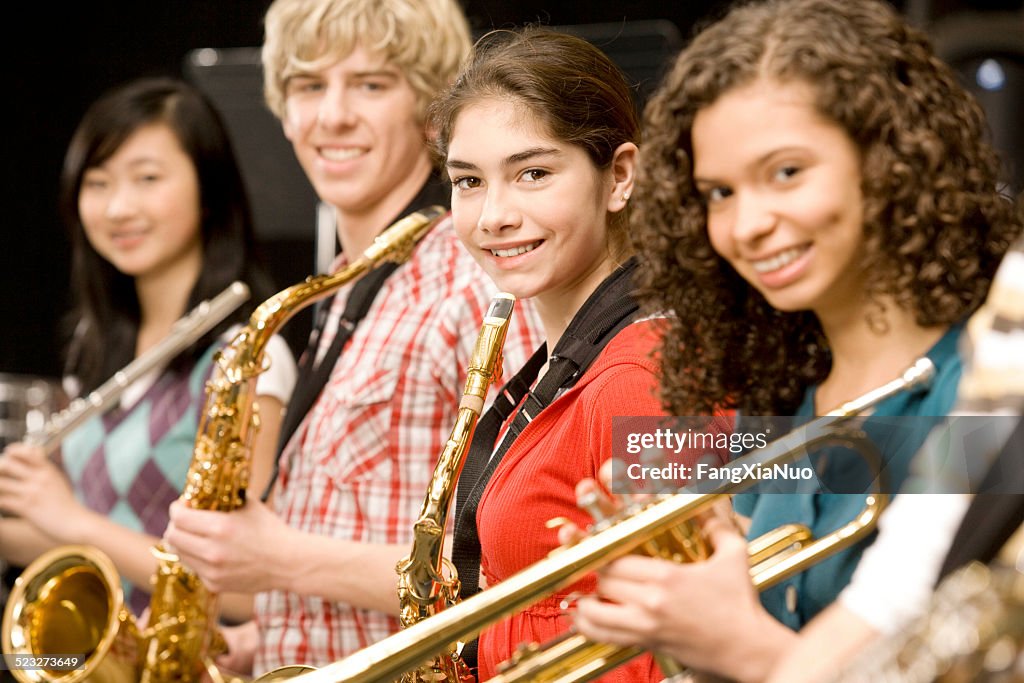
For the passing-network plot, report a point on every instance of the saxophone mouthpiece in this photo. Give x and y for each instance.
(485, 364)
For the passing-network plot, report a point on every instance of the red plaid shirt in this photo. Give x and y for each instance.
(358, 466)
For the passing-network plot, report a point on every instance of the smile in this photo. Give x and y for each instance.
(335, 154)
(780, 260)
(515, 251)
(128, 235)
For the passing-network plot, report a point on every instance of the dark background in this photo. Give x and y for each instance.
(59, 60)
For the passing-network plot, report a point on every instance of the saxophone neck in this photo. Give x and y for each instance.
(485, 363)
(421, 571)
(422, 585)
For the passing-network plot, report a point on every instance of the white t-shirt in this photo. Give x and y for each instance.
(896, 575)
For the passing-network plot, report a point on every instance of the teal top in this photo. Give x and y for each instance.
(797, 600)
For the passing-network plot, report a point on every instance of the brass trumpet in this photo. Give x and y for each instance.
(774, 557)
(388, 659)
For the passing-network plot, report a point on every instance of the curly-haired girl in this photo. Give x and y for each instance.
(817, 207)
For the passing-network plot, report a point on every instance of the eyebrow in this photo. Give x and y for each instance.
(132, 163)
(382, 72)
(511, 160)
(377, 73)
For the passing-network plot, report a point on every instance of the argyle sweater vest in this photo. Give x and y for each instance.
(130, 463)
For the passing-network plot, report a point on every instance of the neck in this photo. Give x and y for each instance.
(864, 358)
(357, 228)
(554, 320)
(557, 307)
(163, 298)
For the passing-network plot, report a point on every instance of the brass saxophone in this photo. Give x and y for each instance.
(181, 639)
(972, 629)
(69, 600)
(389, 658)
(428, 583)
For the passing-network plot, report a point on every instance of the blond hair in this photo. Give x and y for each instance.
(427, 40)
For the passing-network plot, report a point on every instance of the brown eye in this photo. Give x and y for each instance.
(466, 182)
(786, 172)
(717, 194)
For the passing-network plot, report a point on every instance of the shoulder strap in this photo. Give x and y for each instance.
(607, 311)
(312, 376)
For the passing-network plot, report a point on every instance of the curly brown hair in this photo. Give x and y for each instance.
(935, 223)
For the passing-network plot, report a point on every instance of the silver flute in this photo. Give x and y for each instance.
(185, 332)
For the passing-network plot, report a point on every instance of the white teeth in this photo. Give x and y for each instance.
(775, 262)
(515, 251)
(334, 154)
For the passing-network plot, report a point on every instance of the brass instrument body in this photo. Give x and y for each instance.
(388, 659)
(428, 583)
(574, 658)
(69, 601)
(774, 557)
(973, 630)
(181, 639)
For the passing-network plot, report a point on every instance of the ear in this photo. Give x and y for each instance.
(623, 170)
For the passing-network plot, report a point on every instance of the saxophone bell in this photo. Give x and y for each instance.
(69, 603)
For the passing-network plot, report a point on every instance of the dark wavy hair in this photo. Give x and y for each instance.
(570, 86)
(935, 223)
(104, 320)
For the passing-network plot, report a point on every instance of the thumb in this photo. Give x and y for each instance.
(725, 538)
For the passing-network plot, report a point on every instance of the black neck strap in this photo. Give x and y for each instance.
(313, 375)
(607, 311)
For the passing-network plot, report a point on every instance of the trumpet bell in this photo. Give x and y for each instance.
(69, 602)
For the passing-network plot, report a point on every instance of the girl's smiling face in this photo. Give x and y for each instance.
(782, 187)
(531, 209)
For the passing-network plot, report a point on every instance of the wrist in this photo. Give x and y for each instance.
(758, 648)
(288, 562)
(78, 525)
